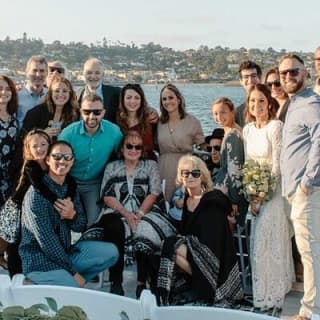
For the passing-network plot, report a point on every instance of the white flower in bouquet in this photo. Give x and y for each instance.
(257, 181)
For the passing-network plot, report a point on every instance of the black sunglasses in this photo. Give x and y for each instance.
(137, 147)
(58, 69)
(96, 112)
(216, 148)
(292, 72)
(196, 173)
(59, 156)
(275, 83)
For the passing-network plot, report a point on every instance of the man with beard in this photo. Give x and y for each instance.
(93, 139)
(300, 169)
(34, 91)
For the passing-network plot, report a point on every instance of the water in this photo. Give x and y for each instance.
(198, 99)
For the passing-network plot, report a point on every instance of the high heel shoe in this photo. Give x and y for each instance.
(139, 289)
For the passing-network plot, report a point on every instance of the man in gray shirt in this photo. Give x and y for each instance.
(300, 169)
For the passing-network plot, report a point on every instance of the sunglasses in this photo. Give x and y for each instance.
(292, 72)
(59, 156)
(137, 147)
(216, 148)
(275, 83)
(96, 112)
(58, 69)
(196, 173)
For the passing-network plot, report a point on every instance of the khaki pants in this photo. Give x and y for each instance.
(305, 216)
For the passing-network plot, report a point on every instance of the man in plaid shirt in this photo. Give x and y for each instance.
(46, 251)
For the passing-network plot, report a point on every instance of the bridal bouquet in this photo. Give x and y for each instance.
(258, 183)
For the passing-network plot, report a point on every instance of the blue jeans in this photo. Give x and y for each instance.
(88, 258)
(90, 194)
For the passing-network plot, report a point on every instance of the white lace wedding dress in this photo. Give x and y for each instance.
(271, 255)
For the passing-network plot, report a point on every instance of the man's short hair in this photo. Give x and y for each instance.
(248, 64)
(291, 56)
(91, 97)
(37, 58)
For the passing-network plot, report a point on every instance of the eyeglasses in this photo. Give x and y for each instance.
(292, 72)
(196, 173)
(275, 83)
(216, 148)
(316, 59)
(137, 147)
(96, 112)
(59, 156)
(58, 69)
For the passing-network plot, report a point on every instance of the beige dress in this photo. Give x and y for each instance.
(174, 144)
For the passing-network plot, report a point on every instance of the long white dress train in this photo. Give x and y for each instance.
(271, 255)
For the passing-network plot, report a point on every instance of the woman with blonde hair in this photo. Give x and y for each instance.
(203, 251)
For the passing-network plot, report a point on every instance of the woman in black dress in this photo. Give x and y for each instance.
(202, 258)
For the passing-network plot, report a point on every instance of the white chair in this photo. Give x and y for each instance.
(152, 311)
(5, 293)
(97, 305)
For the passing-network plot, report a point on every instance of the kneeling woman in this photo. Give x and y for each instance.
(202, 258)
(130, 191)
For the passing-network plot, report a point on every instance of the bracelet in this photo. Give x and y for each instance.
(139, 211)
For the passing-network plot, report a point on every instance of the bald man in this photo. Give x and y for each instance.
(93, 75)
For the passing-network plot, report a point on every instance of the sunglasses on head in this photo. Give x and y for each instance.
(137, 147)
(58, 69)
(59, 156)
(196, 173)
(216, 148)
(275, 83)
(292, 72)
(96, 112)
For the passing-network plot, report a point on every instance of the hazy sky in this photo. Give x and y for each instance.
(179, 24)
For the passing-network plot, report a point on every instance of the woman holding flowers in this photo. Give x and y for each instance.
(272, 268)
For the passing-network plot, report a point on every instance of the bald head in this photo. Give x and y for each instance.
(93, 73)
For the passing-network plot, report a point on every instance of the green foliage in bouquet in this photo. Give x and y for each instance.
(257, 181)
(43, 311)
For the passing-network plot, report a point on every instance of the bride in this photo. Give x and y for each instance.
(272, 268)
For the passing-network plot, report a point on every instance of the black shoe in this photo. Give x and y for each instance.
(116, 288)
(95, 279)
(139, 289)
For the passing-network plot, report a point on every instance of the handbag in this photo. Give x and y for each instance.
(10, 215)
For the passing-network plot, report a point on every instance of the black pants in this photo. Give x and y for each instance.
(114, 232)
(147, 269)
(14, 260)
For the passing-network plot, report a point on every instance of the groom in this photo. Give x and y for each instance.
(300, 168)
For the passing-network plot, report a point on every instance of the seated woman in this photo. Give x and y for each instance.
(202, 258)
(130, 189)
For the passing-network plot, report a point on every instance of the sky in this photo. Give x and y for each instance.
(177, 24)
